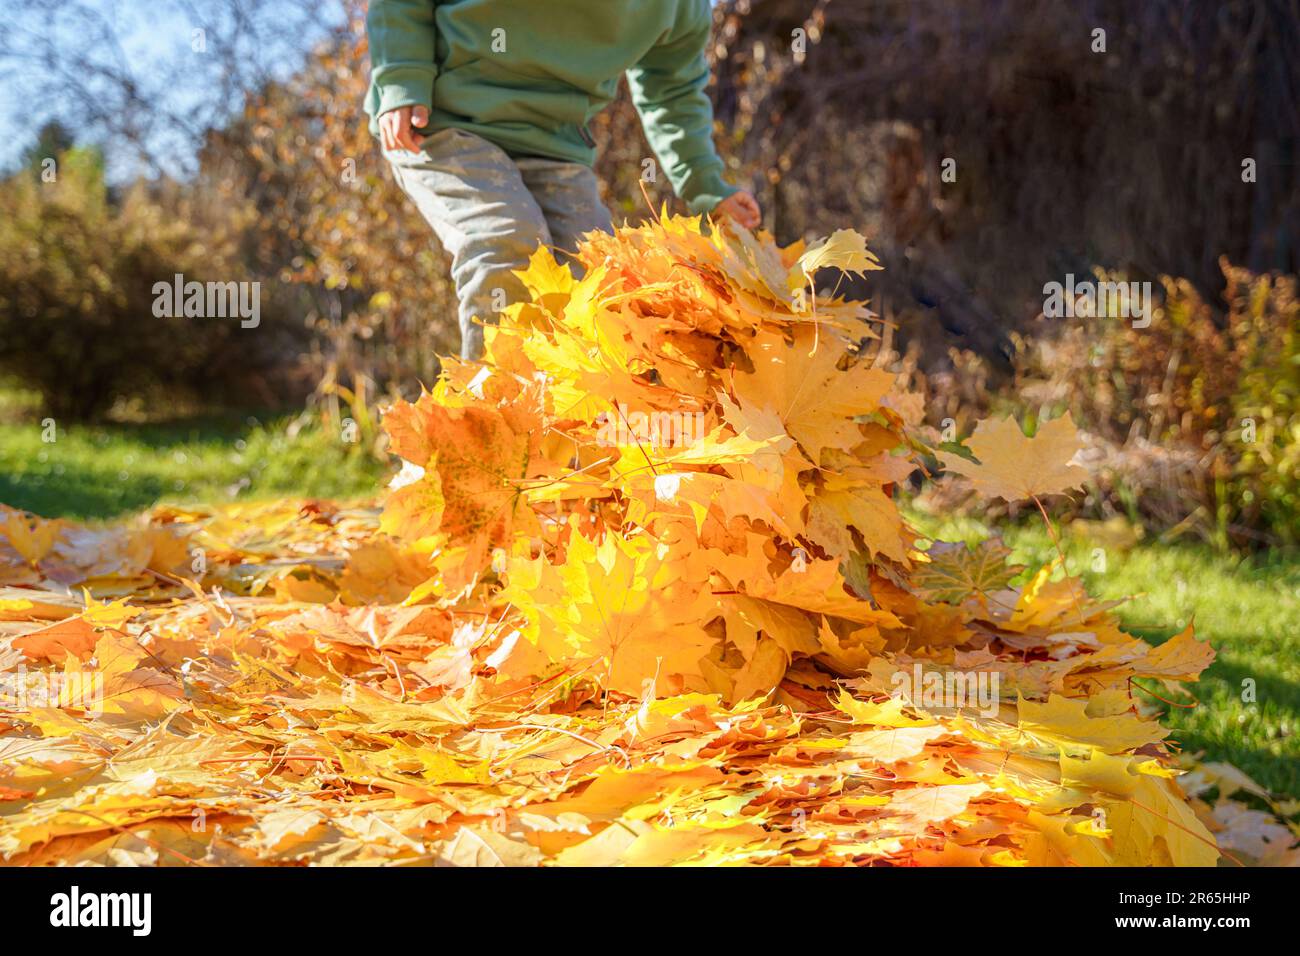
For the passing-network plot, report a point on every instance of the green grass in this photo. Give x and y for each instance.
(1249, 608)
(91, 472)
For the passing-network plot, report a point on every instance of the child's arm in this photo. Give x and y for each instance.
(403, 67)
(668, 88)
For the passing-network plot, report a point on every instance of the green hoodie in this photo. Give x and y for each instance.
(529, 75)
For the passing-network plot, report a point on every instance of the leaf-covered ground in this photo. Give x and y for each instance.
(642, 596)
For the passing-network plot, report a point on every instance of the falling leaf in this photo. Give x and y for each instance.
(845, 250)
(1013, 467)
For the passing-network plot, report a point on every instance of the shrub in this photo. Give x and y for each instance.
(77, 274)
(1196, 417)
(1263, 488)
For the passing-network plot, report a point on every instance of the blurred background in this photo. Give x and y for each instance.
(985, 147)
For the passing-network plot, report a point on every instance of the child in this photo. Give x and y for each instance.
(482, 108)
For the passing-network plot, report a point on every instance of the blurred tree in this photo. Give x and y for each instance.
(52, 140)
(77, 300)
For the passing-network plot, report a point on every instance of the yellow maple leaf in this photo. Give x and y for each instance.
(802, 385)
(33, 537)
(844, 249)
(841, 504)
(1067, 721)
(613, 604)
(1014, 467)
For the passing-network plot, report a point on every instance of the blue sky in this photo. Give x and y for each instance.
(154, 36)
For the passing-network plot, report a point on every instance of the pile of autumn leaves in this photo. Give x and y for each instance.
(642, 595)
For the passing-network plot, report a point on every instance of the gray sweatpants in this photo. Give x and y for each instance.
(491, 212)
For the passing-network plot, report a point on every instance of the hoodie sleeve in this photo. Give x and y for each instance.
(668, 88)
(403, 42)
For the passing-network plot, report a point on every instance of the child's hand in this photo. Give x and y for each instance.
(397, 127)
(741, 207)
